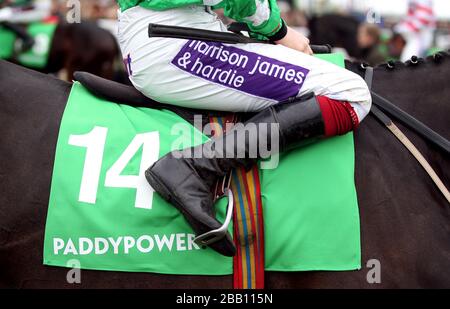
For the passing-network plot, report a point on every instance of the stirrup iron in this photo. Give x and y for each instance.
(213, 236)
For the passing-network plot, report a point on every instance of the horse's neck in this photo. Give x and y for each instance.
(420, 90)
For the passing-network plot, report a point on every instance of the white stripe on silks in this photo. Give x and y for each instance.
(403, 28)
(211, 2)
(428, 3)
(423, 15)
(417, 24)
(262, 13)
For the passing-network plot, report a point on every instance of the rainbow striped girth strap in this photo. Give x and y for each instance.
(248, 264)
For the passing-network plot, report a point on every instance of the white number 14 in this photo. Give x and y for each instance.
(94, 142)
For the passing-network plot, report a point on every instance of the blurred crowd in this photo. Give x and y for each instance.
(355, 34)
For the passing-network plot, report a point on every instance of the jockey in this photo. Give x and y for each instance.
(24, 11)
(324, 99)
(417, 28)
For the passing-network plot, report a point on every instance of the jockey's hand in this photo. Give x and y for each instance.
(296, 40)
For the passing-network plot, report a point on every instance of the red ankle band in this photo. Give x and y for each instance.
(339, 117)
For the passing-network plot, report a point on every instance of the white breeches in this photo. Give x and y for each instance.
(235, 78)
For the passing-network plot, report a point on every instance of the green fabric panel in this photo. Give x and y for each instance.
(37, 56)
(114, 213)
(310, 209)
(310, 206)
(7, 40)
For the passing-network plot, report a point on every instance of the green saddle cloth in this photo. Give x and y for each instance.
(102, 214)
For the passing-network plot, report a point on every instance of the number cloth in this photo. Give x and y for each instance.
(103, 213)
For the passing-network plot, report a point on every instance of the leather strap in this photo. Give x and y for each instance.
(404, 117)
(414, 124)
(248, 263)
(369, 77)
(383, 118)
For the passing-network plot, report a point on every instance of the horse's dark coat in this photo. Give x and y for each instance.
(87, 47)
(404, 219)
(337, 30)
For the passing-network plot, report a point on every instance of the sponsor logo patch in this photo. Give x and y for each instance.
(241, 70)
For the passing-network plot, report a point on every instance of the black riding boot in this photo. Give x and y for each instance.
(187, 178)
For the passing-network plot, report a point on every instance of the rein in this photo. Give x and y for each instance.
(414, 124)
(411, 121)
(175, 32)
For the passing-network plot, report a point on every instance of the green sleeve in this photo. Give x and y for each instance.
(262, 16)
(157, 5)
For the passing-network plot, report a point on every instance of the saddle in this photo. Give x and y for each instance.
(123, 94)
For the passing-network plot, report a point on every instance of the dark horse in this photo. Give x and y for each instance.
(337, 30)
(82, 47)
(405, 221)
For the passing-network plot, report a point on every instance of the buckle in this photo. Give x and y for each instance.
(213, 236)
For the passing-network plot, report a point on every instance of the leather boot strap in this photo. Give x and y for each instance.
(248, 263)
